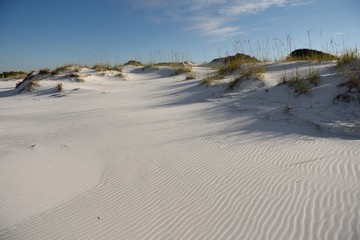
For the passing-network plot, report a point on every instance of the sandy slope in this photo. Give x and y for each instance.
(157, 157)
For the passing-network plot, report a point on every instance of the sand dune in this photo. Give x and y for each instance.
(160, 157)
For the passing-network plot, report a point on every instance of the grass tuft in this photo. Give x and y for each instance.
(209, 80)
(301, 85)
(59, 87)
(101, 67)
(354, 81)
(117, 68)
(182, 69)
(190, 76)
(120, 75)
(251, 71)
(313, 76)
(236, 82)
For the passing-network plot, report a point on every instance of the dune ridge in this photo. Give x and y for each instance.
(177, 162)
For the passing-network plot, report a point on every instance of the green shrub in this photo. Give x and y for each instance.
(45, 71)
(309, 55)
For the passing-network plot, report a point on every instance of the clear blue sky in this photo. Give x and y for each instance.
(42, 33)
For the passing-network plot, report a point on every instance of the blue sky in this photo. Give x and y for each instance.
(42, 33)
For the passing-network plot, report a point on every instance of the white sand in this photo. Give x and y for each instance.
(157, 157)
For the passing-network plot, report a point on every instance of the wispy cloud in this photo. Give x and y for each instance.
(347, 32)
(212, 18)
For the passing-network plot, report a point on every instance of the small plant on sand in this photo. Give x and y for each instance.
(287, 108)
(258, 71)
(209, 80)
(79, 80)
(117, 68)
(236, 82)
(233, 63)
(150, 66)
(32, 85)
(349, 66)
(29, 83)
(284, 79)
(45, 71)
(313, 76)
(59, 87)
(190, 76)
(354, 81)
(76, 77)
(297, 82)
(120, 75)
(63, 68)
(347, 58)
(300, 86)
(229, 67)
(101, 67)
(252, 71)
(182, 69)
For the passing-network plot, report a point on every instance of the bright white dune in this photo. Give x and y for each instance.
(160, 157)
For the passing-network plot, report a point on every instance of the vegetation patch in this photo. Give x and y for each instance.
(236, 82)
(13, 74)
(349, 66)
(75, 77)
(59, 87)
(300, 84)
(182, 69)
(120, 75)
(44, 71)
(347, 59)
(61, 69)
(29, 83)
(306, 54)
(190, 76)
(313, 76)
(101, 67)
(209, 80)
(117, 68)
(237, 57)
(251, 71)
(134, 63)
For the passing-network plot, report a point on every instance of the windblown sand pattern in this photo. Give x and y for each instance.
(175, 166)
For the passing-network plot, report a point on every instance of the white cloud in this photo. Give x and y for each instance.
(245, 7)
(212, 18)
(347, 32)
